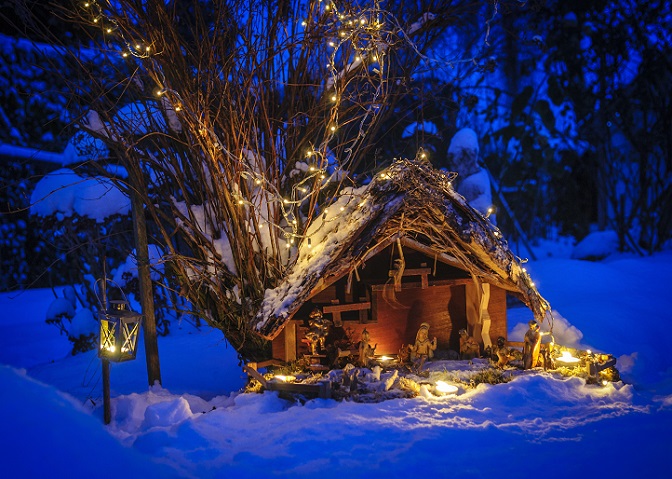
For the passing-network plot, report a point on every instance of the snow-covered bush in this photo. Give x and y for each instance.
(75, 322)
(88, 223)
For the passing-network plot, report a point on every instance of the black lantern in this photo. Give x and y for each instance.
(119, 328)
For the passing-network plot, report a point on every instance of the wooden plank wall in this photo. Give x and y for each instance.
(398, 318)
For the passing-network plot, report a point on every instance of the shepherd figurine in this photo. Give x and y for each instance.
(366, 352)
(532, 345)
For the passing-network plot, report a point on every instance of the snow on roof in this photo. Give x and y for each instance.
(410, 200)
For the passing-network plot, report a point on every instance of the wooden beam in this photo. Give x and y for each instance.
(290, 341)
(337, 309)
(441, 282)
(422, 272)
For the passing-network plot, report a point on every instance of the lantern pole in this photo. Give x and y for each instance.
(107, 410)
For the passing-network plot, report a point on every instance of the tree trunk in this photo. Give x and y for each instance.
(145, 281)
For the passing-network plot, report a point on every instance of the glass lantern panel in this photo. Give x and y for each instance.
(107, 338)
(129, 339)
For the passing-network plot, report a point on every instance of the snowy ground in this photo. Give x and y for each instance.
(199, 426)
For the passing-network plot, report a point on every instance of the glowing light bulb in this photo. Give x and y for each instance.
(445, 388)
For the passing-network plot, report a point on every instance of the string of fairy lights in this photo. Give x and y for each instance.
(357, 40)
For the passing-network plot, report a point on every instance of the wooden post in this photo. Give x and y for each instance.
(107, 410)
(144, 279)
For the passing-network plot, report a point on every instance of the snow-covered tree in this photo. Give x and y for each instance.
(240, 122)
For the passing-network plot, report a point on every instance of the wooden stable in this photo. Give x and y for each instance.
(391, 303)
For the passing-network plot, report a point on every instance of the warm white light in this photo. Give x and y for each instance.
(567, 357)
(445, 388)
(284, 379)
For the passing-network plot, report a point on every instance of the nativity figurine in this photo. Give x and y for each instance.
(366, 352)
(317, 332)
(532, 345)
(502, 353)
(423, 348)
(469, 348)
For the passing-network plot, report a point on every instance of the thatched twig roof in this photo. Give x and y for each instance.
(410, 201)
